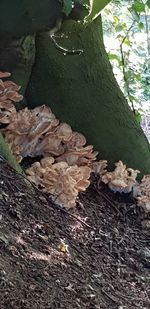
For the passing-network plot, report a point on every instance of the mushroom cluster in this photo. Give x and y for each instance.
(122, 179)
(142, 193)
(8, 97)
(64, 182)
(38, 133)
(76, 153)
(65, 168)
(27, 131)
(67, 161)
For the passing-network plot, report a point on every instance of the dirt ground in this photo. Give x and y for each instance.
(94, 257)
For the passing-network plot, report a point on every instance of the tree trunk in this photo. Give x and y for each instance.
(17, 57)
(23, 17)
(82, 91)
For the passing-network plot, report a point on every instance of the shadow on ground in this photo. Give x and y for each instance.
(94, 257)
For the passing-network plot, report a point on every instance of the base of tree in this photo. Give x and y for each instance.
(101, 263)
(82, 91)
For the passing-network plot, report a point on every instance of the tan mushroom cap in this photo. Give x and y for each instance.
(64, 132)
(144, 202)
(77, 140)
(11, 86)
(81, 156)
(7, 111)
(28, 129)
(47, 162)
(8, 96)
(44, 112)
(99, 167)
(122, 179)
(59, 179)
(4, 74)
(9, 91)
(49, 145)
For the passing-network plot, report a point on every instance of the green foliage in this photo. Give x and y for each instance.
(138, 6)
(130, 51)
(148, 3)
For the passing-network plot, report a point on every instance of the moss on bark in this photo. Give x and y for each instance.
(6, 154)
(82, 91)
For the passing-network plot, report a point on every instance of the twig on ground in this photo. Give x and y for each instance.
(111, 297)
(108, 200)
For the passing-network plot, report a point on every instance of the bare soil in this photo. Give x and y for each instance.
(96, 256)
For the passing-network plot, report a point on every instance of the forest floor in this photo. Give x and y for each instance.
(96, 256)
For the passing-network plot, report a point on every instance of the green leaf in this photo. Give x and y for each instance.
(141, 25)
(138, 77)
(138, 116)
(113, 57)
(127, 42)
(67, 7)
(119, 28)
(116, 19)
(96, 7)
(138, 6)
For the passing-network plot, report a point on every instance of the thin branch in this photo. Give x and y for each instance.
(147, 34)
(123, 64)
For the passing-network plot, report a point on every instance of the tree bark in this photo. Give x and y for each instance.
(82, 91)
(17, 57)
(23, 17)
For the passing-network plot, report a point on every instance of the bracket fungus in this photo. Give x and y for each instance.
(60, 180)
(122, 179)
(27, 130)
(76, 153)
(4, 74)
(38, 133)
(99, 167)
(8, 97)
